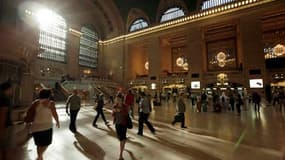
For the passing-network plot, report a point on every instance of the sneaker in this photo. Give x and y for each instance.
(183, 127)
(95, 125)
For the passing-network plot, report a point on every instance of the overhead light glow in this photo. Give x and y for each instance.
(45, 17)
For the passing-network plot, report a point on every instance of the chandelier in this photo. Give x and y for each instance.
(182, 62)
(222, 59)
(279, 50)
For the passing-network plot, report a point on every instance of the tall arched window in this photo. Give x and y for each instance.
(88, 55)
(172, 13)
(214, 3)
(52, 39)
(138, 24)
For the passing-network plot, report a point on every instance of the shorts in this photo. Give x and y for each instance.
(43, 138)
(121, 132)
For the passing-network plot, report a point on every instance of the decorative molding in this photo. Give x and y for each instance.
(194, 17)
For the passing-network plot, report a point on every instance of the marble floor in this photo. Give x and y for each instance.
(209, 136)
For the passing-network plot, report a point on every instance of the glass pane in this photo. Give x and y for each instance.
(214, 3)
(52, 36)
(138, 24)
(88, 55)
(172, 13)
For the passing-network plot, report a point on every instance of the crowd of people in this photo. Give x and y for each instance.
(42, 112)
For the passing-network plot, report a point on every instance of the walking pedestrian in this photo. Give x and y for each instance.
(73, 105)
(99, 109)
(256, 98)
(232, 102)
(145, 109)
(40, 115)
(129, 101)
(120, 114)
(181, 108)
(239, 104)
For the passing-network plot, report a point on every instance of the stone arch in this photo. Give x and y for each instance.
(166, 4)
(113, 17)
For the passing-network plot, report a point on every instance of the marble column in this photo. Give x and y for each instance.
(196, 58)
(252, 47)
(154, 57)
(73, 55)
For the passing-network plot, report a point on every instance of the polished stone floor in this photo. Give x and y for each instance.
(209, 136)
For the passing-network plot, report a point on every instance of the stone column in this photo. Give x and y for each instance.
(154, 58)
(73, 55)
(196, 58)
(252, 48)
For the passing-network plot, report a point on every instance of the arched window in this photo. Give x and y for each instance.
(52, 35)
(88, 55)
(214, 3)
(138, 24)
(172, 13)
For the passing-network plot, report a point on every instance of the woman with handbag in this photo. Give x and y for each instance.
(40, 116)
(122, 122)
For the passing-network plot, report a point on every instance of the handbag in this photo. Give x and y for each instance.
(129, 122)
(178, 117)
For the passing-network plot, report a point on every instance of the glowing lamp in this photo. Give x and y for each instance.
(179, 61)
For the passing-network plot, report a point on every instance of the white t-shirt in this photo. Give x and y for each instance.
(43, 118)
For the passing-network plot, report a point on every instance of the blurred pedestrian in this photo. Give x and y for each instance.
(40, 115)
(180, 108)
(6, 92)
(129, 101)
(120, 114)
(99, 109)
(73, 103)
(145, 109)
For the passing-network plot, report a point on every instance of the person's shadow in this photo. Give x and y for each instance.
(132, 156)
(111, 132)
(90, 149)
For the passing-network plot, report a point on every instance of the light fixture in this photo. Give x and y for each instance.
(221, 56)
(222, 64)
(222, 78)
(146, 65)
(179, 61)
(45, 17)
(185, 66)
(153, 86)
(279, 50)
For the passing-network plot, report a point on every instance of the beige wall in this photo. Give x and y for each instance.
(249, 46)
